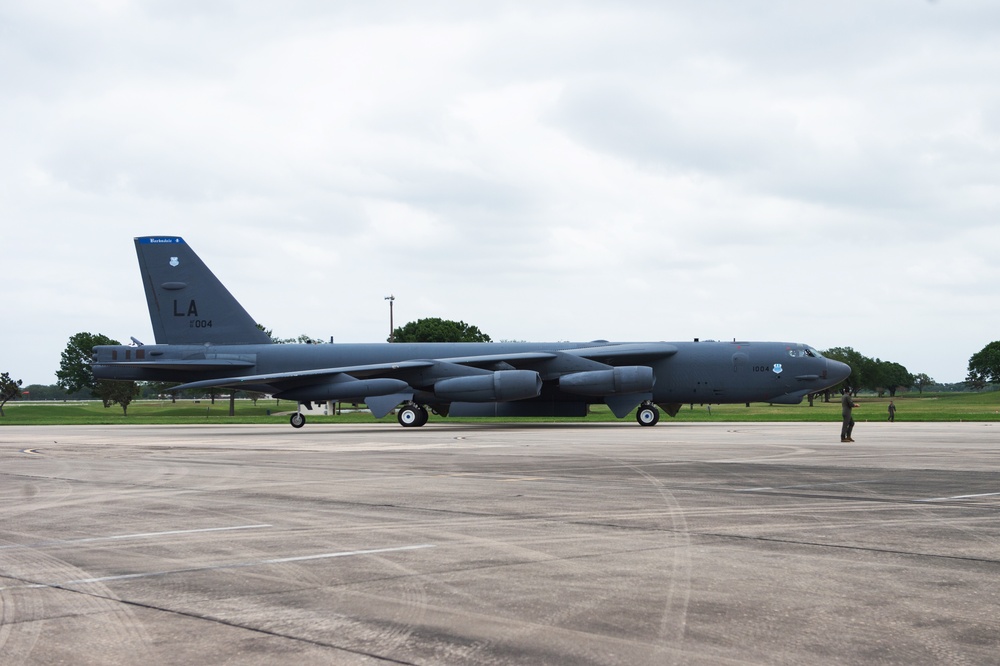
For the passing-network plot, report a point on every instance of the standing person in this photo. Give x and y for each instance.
(892, 412)
(847, 403)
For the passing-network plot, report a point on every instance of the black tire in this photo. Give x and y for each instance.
(410, 416)
(298, 420)
(647, 415)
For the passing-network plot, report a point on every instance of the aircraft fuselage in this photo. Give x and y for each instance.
(706, 372)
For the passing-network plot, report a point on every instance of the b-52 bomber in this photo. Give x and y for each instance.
(206, 339)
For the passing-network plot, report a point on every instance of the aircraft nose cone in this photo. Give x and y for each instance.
(837, 371)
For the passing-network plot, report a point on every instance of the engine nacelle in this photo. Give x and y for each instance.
(500, 386)
(341, 390)
(626, 379)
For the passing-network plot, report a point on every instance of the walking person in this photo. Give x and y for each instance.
(847, 404)
(892, 412)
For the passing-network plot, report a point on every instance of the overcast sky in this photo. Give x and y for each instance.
(826, 173)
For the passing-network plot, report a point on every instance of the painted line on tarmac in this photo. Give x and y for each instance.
(217, 567)
(956, 497)
(805, 485)
(144, 535)
(139, 535)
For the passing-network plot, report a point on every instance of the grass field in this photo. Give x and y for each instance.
(911, 407)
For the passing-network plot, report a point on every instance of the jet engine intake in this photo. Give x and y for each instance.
(624, 379)
(499, 386)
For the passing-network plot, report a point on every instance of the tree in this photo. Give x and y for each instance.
(871, 373)
(51, 392)
(984, 366)
(270, 332)
(921, 380)
(75, 373)
(851, 358)
(117, 392)
(891, 377)
(10, 389)
(435, 329)
(302, 339)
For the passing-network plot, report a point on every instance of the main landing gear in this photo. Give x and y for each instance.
(412, 415)
(647, 414)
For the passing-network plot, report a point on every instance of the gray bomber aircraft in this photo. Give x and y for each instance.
(204, 338)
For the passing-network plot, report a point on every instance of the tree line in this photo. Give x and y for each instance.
(873, 374)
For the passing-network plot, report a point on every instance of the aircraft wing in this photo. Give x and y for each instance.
(489, 361)
(635, 351)
(558, 362)
(619, 372)
(612, 353)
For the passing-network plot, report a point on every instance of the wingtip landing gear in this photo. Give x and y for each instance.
(298, 420)
(647, 414)
(412, 415)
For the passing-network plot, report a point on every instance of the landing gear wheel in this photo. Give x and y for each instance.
(412, 416)
(298, 420)
(648, 415)
(423, 415)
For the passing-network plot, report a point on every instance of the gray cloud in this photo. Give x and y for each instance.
(545, 171)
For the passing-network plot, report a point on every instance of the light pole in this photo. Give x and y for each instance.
(392, 330)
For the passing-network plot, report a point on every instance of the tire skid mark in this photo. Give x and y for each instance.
(19, 630)
(674, 618)
(114, 626)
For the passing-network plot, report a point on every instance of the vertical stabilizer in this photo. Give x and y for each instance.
(187, 303)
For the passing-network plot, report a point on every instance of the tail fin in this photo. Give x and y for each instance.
(187, 303)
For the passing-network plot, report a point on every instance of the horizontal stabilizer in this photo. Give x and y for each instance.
(201, 364)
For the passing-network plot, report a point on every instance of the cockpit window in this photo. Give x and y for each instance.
(804, 351)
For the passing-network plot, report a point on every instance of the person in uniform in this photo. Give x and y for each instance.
(892, 411)
(847, 403)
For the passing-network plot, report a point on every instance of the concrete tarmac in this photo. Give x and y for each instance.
(500, 544)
